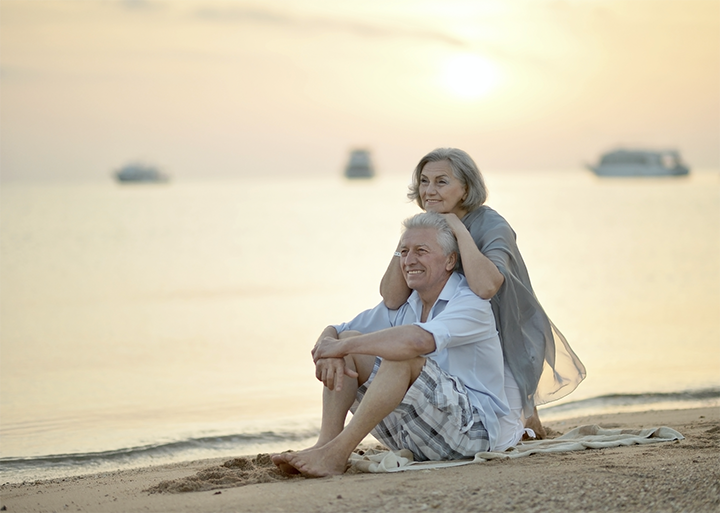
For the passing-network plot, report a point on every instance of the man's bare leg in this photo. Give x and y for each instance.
(383, 395)
(336, 405)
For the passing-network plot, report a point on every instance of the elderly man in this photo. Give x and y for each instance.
(427, 377)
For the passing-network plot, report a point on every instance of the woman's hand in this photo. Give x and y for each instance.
(482, 275)
(455, 223)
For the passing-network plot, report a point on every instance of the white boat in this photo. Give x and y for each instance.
(136, 172)
(640, 163)
(359, 165)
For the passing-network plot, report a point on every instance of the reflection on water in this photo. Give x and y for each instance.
(145, 315)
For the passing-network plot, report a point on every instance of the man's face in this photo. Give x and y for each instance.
(424, 265)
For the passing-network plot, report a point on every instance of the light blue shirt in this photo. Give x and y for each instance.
(467, 345)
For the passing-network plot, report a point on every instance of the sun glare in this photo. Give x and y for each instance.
(469, 76)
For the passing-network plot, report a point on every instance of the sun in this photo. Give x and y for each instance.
(469, 76)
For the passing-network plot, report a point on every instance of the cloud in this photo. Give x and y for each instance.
(237, 14)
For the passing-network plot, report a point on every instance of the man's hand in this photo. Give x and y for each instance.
(332, 372)
(327, 347)
(328, 355)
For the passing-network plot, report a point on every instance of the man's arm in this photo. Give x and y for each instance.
(329, 331)
(397, 343)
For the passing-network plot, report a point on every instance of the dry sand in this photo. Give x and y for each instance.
(675, 476)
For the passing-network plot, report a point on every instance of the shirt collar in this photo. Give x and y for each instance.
(446, 294)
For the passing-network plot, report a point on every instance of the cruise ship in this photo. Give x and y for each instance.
(624, 162)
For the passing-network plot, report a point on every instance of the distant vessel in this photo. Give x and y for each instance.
(640, 163)
(140, 173)
(359, 165)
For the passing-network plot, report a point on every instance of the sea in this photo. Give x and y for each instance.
(154, 323)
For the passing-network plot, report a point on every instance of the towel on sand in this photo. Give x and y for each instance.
(583, 437)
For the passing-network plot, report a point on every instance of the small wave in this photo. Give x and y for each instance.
(626, 402)
(16, 469)
(63, 465)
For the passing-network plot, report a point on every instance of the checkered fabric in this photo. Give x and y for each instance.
(435, 419)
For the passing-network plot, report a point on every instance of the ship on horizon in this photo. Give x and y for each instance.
(360, 165)
(624, 162)
(140, 173)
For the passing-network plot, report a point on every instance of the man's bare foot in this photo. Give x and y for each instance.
(280, 462)
(316, 462)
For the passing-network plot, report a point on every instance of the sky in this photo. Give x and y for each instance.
(287, 88)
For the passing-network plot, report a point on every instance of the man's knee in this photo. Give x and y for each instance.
(413, 367)
(363, 364)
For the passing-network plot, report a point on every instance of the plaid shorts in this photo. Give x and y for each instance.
(435, 419)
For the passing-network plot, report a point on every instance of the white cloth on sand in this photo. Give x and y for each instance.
(583, 437)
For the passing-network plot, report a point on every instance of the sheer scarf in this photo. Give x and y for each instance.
(539, 356)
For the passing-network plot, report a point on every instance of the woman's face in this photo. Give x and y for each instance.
(440, 191)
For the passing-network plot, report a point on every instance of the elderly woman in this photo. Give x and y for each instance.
(540, 366)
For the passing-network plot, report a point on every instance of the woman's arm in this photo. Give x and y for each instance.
(393, 287)
(482, 275)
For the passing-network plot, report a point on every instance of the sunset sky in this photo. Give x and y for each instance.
(287, 88)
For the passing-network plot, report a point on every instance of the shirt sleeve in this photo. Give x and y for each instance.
(375, 319)
(466, 319)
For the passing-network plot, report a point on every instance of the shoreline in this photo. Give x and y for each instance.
(674, 476)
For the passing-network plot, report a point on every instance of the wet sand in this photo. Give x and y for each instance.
(673, 476)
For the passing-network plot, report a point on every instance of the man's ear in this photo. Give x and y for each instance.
(451, 261)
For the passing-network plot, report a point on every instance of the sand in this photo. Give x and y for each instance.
(672, 476)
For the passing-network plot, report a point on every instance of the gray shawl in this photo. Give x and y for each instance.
(539, 357)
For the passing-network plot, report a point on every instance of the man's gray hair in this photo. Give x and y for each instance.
(445, 236)
(463, 168)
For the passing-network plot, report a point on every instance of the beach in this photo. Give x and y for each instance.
(156, 329)
(166, 317)
(667, 476)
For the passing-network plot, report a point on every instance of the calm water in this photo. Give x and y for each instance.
(146, 324)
